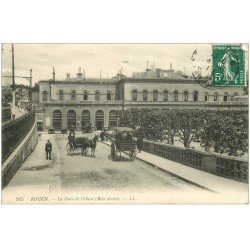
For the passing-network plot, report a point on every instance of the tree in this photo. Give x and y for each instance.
(130, 118)
(189, 125)
(235, 133)
(152, 125)
(35, 87)
(226, 132)
(170, 125)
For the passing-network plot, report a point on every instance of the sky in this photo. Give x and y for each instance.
(109, 58)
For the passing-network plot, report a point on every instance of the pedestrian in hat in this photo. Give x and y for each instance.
(48, 149)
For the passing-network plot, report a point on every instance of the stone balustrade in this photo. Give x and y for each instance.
(235, 168)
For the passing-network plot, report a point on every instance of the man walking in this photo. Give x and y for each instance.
(48, 149)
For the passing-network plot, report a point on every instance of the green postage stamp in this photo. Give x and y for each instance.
(228, 65)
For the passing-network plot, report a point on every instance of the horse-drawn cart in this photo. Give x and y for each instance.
(87, 128)
(123, 140)
(77, 143)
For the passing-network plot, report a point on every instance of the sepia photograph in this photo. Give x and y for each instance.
(125, 123)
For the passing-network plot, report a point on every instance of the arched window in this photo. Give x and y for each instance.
(61, 95)
(134, 95)
(165, 95)
(85, 118)
(109, 96)
(145, 95)
(216, 96)
(175, 96)
(71, 119)
(73, 95)
(45, 95)
(155, 95)
(112, 118)
(185, 96)
(57, 119)
(99, 119)
(195, 96)
(97, 96)
(225, 98)
(206, 97)
(85, 95)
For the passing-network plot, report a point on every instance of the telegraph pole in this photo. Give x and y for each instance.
(13, 83)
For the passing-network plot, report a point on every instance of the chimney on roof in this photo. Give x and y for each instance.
(68, 77)
(170, 65)
(83, 73)
(54, 74)
(79, 77)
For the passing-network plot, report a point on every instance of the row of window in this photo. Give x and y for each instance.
(73, 95)
(165, 96)
(86, 118)
(186, 95)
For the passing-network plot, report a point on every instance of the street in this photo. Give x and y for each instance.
(99, 175)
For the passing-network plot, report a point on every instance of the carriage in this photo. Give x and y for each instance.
(123, 140)
(77, 143)
(87, 128)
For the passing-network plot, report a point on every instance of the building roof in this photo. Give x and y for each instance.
(85, 81)
(163, 80)
(74, 79)
(243, 98)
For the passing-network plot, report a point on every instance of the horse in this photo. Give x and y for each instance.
(93, 144)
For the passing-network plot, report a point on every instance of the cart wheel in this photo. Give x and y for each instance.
(132, 155)
(70, 148)
(113, 151)
(84, 151)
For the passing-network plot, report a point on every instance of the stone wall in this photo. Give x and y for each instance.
(18, 156)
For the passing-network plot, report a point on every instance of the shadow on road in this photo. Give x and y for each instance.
(36, 168)
(79, 153)
(119, 159)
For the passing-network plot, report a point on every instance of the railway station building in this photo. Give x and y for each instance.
(77, 101)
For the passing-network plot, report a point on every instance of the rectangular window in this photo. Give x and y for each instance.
(85, 96)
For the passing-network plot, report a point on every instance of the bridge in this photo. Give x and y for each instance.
(151, 178)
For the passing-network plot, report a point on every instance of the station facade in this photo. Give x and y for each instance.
(76, 102)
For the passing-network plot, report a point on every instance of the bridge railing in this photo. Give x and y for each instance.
(235, 168)
(6, 114)
(14, 132)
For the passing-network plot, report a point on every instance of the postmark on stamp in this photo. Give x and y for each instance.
(228, 65)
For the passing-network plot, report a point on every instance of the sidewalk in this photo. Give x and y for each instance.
(36, 175)
(203, 179)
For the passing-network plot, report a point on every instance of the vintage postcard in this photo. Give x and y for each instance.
(124, 123)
